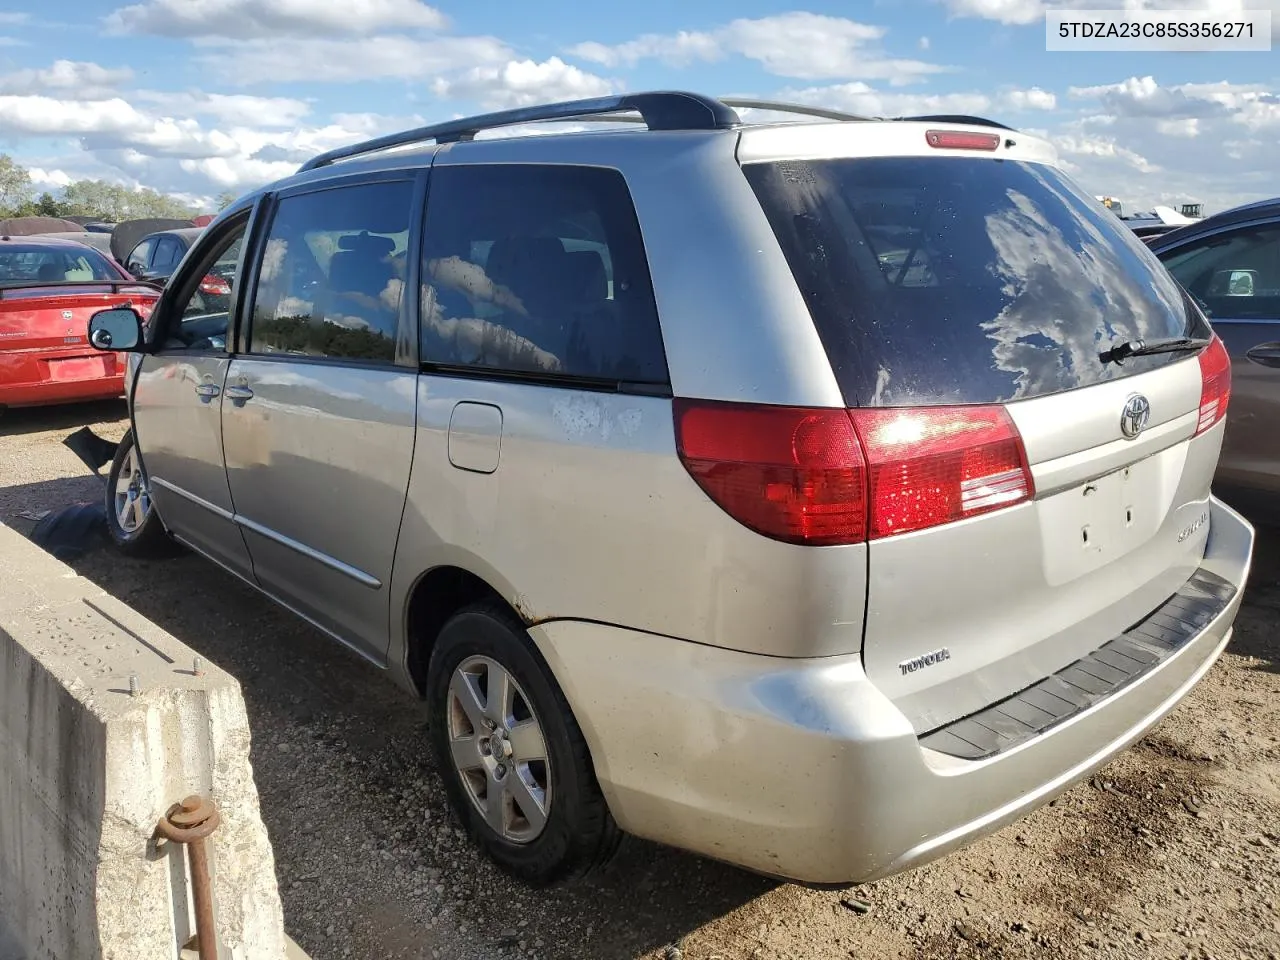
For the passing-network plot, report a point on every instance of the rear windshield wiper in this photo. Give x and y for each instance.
(1146, 348)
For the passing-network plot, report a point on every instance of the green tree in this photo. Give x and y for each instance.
(224, 200)
(45, 205)
(15, 185)
(113, 202)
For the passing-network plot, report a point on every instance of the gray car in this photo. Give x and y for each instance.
(816, 496)
(1231, 263)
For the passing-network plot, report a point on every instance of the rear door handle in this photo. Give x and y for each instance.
(1266, 354)
(207, 391)
(239, 394)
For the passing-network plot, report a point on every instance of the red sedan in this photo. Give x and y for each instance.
(48, 290)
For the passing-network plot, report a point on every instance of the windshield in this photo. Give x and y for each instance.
(965, 280)
(22, 264)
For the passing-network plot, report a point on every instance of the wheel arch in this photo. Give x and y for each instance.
(437, 594)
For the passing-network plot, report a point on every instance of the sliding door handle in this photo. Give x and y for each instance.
(239, 394)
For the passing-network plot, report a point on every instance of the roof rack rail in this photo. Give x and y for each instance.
(660, 109)
(780, 106)
(957, 118)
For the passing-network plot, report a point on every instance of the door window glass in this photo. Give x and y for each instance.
(538, 269)
(139, 257)
(1236, 276)
(332, 273)
(168, 255)
(202, 315)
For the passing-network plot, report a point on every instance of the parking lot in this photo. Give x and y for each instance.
(1170, 852)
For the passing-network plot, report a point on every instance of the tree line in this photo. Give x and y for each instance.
(87, 198)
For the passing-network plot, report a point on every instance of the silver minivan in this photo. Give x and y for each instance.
(816, 496)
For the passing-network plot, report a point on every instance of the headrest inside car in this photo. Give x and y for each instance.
(367, 243)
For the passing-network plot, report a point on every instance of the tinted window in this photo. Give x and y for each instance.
(22, 263)
(538, 269)
(332, 273)
(964, 280)
(200, 318)
(1235, 275)
(168, 254)
(139, 257)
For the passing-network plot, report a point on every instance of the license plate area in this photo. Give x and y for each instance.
(1094, 523)
(77, 368)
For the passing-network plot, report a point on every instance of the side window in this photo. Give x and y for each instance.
(138, 258)
(538, 269)
(332, 273)
(1235, 275)
(200, 316)
(168, 255)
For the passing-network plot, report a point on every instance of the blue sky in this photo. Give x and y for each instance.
(196, 97)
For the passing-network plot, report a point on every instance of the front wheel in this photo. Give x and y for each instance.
(132, 522)
(513, 759)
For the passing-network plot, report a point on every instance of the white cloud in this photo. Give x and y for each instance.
(228, 108)
(1033, 99)
(43, 179)
(78, 77)
(804, 46)
(272, 19)
(1002, 11)
(14, 19)
(1184, 127)
(325, 60)
(519, 83)
(1106, 147)
(861, 99)
(923, 43)
(1251, 105)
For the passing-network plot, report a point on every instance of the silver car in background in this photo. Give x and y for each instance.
(814, 496)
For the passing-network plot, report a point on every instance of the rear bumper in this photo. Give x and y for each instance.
(26, 378)
(803, 769)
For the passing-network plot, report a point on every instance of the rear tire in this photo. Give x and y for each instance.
(517, 772)
(132, 521)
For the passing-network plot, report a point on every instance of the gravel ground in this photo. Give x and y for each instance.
(1173, 850)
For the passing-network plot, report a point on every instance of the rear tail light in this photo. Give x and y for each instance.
(1215, 384)
(215, 286)
(933, 465)
(828, 476)
(791, 473)
(961, 140)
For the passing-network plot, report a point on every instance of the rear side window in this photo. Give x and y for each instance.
(964, 280)
(332, 273)
(538, 270)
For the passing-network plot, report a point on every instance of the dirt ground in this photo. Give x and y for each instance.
(1173, 850)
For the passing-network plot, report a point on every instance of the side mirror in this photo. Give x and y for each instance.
(118, 329)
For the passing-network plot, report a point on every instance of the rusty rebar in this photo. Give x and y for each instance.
(190, 822)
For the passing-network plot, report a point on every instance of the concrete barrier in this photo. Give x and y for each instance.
(87, 768)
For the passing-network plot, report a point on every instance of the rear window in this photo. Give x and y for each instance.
(31, 263)
(963, 280)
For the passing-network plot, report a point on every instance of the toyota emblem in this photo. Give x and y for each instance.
(1136, 413)
(67, 314)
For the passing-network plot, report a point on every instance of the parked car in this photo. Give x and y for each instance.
(49, 288)
(156, 256)
(126, 234)
(99, 241)
(814, 496)
(1231, 263)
